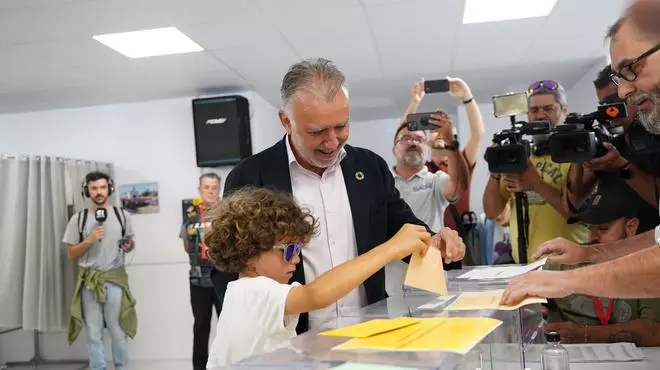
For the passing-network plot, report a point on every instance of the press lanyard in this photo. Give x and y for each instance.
(604, 319)
(203, 255)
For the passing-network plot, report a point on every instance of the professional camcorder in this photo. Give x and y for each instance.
(510, 151)
(581, 138)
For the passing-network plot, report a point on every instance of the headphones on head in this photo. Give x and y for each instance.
(93, 176)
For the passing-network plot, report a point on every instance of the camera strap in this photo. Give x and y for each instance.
(459, 223)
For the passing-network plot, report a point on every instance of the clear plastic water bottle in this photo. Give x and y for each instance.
(555, 356)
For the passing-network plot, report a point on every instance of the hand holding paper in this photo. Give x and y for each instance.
(450, 244)
(410, 239)
(427, 273)
(488, 300)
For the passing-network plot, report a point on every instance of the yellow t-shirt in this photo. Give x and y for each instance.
(545, 222)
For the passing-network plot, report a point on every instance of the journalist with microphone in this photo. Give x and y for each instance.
(98, 237)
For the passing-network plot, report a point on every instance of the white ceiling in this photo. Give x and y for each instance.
(48, 58)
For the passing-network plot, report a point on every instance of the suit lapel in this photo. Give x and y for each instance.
(276, 172)
(358, 193)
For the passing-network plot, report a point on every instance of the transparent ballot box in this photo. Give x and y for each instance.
(503, 349)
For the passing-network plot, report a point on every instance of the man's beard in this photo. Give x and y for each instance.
(650, 119)
(413, 158)
(309, 155)
(99, 200)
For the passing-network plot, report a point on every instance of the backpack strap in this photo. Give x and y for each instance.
(122, 221)
(81, 227)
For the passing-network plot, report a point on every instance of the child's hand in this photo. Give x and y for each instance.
(410, 239)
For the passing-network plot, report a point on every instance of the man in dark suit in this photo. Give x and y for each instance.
(350, 190)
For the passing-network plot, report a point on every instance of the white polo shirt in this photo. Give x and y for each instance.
(424, 193)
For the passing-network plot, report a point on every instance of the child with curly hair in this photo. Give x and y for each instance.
(258, 233)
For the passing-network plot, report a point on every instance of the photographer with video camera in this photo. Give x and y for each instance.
(538, 183)
(444, 144)
(627, 268)
(633, 155)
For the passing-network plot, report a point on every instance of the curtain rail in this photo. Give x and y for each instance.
(39, 157)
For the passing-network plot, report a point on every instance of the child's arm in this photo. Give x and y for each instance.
(339, 281)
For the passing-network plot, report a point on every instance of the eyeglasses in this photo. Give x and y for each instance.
(411, 140)
(627, 72)
(289, 251)
(543, 84)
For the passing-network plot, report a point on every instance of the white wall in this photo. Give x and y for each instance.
(582, 96)
(147, 141)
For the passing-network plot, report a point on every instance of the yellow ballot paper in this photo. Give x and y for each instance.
(488, 300)
(453, 334)
(427, 272)
(371, 327)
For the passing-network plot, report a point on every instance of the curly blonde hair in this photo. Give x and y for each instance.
(252, 221)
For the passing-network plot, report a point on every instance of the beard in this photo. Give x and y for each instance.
(413, 158)
(649, 118)
(308, 155)
(99, 200)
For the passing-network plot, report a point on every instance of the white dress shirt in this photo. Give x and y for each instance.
(326, 197)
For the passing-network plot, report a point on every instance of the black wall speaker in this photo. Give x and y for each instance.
(222, 130)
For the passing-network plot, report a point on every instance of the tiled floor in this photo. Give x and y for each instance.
(137, 365)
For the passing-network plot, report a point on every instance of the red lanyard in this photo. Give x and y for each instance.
(604, 319)
(202, 225)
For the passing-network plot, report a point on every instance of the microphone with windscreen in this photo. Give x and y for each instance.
(101, 215)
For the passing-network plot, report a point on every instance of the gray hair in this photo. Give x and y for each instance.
(209, 175)
(559, 94)
(318, 76)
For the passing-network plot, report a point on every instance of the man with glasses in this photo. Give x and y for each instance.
(628, 268)
(631, 157)
(428, 194)
(541, 182)
(443, 143)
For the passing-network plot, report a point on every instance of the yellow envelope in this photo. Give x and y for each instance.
(488, 300)
(455, 334)
(371, 327)
(427, 272)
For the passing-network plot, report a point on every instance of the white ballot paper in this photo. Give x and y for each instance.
(577, 353)
(502, 272)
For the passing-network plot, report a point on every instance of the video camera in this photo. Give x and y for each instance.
(581, 138)
(510, 151)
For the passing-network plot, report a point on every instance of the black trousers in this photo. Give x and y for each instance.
(202, 300)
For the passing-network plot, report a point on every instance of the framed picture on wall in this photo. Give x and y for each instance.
(141, 198)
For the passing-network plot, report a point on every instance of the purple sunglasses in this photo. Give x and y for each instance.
(289, 251)
(543, 84)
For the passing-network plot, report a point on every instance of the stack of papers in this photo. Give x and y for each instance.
(503, 272)
(488, 300)
(410, 334)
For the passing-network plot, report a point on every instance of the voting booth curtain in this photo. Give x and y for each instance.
(37, 196)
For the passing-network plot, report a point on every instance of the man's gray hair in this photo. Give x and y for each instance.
(559, 94)
(318, 76)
